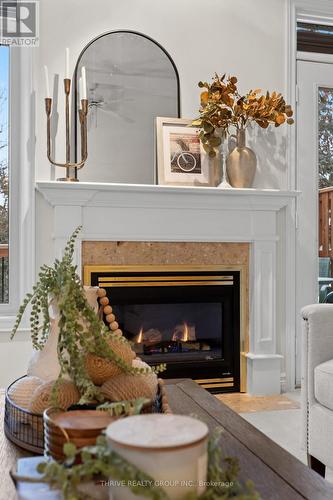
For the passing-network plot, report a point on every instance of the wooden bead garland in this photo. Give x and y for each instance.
(101, 369)
(110, 318)
(104, 301)
(107, 311)
(117, 332)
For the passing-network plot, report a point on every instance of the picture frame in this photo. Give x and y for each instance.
(181, 159)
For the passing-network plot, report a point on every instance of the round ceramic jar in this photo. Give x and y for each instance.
(172, 449)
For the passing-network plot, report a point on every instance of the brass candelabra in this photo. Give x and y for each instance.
(71, 167)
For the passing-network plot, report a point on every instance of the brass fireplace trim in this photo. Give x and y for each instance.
(116, 281)
(215, 383)
(163, 278)
(190, 280)
(117, 284)
(217, 386)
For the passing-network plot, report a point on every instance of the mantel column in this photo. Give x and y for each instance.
(263, 363)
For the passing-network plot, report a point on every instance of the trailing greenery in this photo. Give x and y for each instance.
(130, 407)
(80, 330)
(100, 461)
(223, 481)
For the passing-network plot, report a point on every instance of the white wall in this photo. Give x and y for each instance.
(14, 357)
(241, 37)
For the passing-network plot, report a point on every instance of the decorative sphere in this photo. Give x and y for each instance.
(107, 310)
(110, 318)
(104, 301)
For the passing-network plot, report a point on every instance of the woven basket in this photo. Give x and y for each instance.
(22, 427)
(26, 429)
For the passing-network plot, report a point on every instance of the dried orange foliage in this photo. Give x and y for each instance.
(222, 107)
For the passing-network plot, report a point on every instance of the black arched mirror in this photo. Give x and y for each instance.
(131, 80)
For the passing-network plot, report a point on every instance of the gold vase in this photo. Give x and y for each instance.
(241, 163)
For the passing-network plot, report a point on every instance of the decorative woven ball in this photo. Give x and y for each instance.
(21, 391)
(67, 395)
(101, 369)
(127, 386)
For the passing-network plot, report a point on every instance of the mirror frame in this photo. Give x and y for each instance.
(75, 87)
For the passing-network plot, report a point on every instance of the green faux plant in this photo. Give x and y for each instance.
(100, 461)
(62, 283)
(124, 408)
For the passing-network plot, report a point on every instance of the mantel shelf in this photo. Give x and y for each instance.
(107, 194)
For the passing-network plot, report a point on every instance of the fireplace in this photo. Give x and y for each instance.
(188, 317)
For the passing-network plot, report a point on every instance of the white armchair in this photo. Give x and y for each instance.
(317, 385)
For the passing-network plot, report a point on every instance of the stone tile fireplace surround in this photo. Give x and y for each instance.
(132, 258)
(130, 224)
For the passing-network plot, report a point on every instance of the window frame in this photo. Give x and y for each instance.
(314, 41)
(8, 145)
(21, 153)
(318, 12)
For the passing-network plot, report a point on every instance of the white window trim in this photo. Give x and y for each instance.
(315, 57)
(315, 11)
(311, 11)
(21, 178)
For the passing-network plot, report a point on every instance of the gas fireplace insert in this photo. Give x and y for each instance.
(185, 316)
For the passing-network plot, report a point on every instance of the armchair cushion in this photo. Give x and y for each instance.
(323, 384)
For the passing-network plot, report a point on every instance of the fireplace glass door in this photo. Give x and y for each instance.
(184, 331)
(188, 318)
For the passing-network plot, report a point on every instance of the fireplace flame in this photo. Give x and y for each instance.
(186, 333)
(139, 337)
(181, 333)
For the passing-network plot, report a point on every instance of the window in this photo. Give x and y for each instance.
(315, 38)
(17, 176)
(325, 136)
(4, 166)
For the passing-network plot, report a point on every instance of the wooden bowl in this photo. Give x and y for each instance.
(57, 449)
(77, 422)
(60, 432)
(79, 443)
(80, 427)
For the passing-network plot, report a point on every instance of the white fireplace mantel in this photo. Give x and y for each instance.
(265, 218)
(98, 194)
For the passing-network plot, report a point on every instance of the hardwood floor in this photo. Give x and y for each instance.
(243, 403)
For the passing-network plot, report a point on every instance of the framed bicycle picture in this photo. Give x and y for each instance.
(181, 159)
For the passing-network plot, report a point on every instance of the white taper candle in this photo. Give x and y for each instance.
(47, 83)
(84, 83)
(80, 91)
(67, 75)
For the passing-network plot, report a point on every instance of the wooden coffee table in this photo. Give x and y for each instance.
(277, 475)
